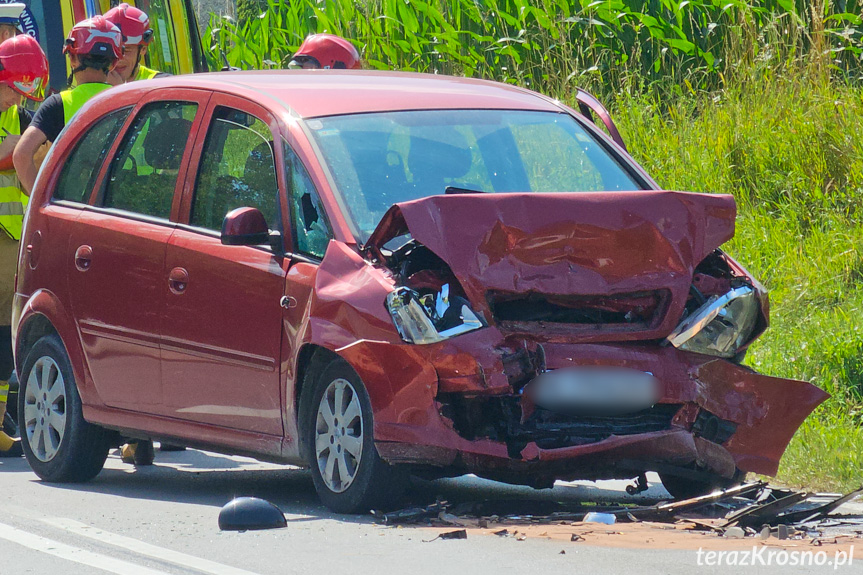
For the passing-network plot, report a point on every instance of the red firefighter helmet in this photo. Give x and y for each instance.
(132, 22)
(23, 65)
(95, 37)
(328, 51)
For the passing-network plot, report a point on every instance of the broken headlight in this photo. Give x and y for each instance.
(430, 318)
(721, 326)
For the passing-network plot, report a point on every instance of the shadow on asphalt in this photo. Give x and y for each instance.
(204, 478)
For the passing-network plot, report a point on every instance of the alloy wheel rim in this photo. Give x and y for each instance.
(45, 409)
(339, 435)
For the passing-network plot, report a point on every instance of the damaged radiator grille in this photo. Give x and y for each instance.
(640, 310)
(499, 419)
(550, 430)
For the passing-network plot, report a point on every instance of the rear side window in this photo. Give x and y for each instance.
(145, 169)
(83, 165)
(237, 170)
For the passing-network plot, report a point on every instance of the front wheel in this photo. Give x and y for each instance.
(338, 443)
(59, 445)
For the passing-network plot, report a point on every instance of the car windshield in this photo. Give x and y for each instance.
(380, 159)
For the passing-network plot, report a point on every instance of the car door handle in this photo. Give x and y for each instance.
(83, 258)
(288, 302)
(178, 280)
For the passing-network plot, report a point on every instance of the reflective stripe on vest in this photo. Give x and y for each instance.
(145, 73)
(76, 97)
(12, 200)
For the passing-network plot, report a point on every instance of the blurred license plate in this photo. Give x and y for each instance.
(594, 390)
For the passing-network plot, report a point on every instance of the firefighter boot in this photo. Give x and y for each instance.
(9, 447)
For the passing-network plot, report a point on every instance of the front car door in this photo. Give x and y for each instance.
(222, 325)
(116, 256)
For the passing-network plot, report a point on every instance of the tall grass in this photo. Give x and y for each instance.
(759, 100)
(791, 152)
(554, 45)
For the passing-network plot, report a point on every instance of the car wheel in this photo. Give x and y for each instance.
(684, 488)
(59, 445)
(336, 416)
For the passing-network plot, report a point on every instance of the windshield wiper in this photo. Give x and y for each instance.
(454, 190)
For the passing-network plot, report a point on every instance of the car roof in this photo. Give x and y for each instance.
(313, 93)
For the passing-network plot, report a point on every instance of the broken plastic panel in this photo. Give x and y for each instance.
(430, 318)
(721, 326)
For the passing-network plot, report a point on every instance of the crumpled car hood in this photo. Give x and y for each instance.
(573, 244)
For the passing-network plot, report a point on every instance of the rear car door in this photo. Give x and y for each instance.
(116, 257)
(221, 322)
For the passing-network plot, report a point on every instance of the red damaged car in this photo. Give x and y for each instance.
(377, 274)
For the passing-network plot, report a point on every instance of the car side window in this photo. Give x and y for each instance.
(145, 169)
(83, 164)
(311, 230)
(237, 170)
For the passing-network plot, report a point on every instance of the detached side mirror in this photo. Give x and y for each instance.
(245, 227)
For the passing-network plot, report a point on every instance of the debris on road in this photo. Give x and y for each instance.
(594, 517)
(459, 534)
(755, 510)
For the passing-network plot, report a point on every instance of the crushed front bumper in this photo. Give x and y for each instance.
(457, 405)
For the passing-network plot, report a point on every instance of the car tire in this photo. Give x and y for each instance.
(684, 488)
(59, 444)
(348, 473)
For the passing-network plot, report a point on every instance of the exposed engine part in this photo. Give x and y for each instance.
(639, 487)
(713, 428)
(501, 418)
(641, 309)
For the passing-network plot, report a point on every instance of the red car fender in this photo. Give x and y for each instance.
(46, 304)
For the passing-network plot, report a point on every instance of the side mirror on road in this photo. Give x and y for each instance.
(245, 227)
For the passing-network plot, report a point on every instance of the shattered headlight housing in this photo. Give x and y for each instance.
(721, 326)
(430, 319)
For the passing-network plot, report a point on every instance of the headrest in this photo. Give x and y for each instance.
(260, 167)
(165, 142)
(446, 155)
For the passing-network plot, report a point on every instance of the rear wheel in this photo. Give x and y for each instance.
(337, 426)
(59, 445)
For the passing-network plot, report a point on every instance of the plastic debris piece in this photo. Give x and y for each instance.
(576, 537)
(502, 533)
(606, 518)
(459, 534)
(450, 519)
(520, 537)
(250, 513)
(734, 533)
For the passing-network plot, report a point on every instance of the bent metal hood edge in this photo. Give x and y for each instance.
(574, 244)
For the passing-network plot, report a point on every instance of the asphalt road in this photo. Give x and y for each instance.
(163, 520)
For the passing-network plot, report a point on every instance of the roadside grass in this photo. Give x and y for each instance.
(790, 150)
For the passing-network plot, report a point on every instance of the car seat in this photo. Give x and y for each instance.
(436, 160)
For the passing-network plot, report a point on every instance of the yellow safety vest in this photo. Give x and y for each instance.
(76, 97)
(145, 73)
(12, 199)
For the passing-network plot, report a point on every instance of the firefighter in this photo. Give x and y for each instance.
(9, 15)
(23, 71)
(326, 51)
(137, 34)
(93, 47)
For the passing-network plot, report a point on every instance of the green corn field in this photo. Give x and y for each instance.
(553, 45)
